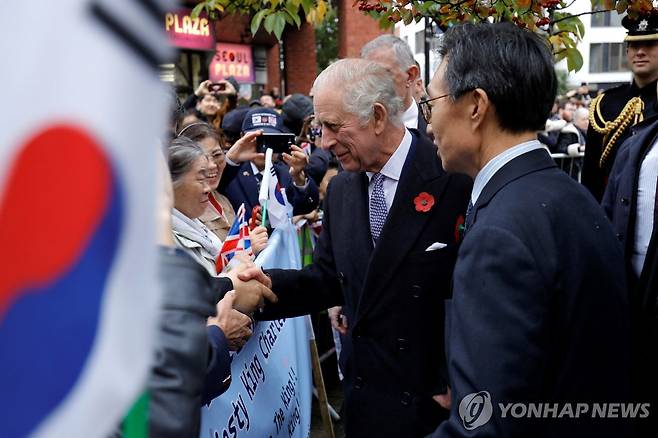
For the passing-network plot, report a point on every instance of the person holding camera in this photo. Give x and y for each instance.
(212, 100)
(301, 191)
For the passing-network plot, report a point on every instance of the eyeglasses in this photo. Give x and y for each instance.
(426, 108)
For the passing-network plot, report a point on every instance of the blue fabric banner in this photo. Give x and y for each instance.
(270, 392)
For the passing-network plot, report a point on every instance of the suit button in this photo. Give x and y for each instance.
(402, 344)
(341, 278)
(619, 236)
(624, 201)
(406, 399)
(358, 382)
(416, 291)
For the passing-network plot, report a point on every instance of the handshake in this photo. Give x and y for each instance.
(251, 288)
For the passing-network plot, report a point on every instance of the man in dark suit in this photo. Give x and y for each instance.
(631, 203)
(390, 233)
(539, 307)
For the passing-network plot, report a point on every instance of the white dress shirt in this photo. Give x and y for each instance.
(392, 170)
(646, 199)
(410, 116)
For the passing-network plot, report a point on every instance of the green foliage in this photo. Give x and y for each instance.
(545, 17)
(326, 39)
(272, 15)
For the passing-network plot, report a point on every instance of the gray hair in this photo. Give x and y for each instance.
(363, 83)
(181, 155)
(400, 49)
(581, 113)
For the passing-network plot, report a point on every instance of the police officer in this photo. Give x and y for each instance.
(614, 112)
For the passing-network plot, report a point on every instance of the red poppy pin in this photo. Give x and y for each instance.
(424, 202)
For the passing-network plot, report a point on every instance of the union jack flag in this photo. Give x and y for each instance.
(237, 241)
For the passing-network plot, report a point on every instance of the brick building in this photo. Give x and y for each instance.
(296, 53)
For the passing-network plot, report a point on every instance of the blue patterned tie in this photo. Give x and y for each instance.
(378, 210)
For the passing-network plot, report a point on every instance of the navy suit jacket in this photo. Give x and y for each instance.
(620, 204)
(539, 310)
(392, 294)
(243, 188)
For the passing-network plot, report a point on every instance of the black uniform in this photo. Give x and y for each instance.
(610, 105)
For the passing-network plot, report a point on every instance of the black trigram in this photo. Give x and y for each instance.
(139, 24)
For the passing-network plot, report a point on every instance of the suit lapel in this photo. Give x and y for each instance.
(421, 173)
(522, 165)
(359, 242)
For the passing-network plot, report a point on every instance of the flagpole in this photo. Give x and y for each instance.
(263, 194)
(264, 213)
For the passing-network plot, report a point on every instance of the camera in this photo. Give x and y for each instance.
(279, 143)
(217, 86)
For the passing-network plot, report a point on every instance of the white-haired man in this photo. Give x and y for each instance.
(390, 233)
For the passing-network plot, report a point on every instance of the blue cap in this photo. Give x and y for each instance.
(263, 118)
(232, 120)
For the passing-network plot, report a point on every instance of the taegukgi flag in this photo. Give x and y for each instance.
(84, 109)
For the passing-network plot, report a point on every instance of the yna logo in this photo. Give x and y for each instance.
(475, 409)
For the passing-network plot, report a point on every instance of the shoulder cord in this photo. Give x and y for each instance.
(612, 130)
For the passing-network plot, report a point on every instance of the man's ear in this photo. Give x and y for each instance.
(379, 117)
(412, 74)
(480, 106)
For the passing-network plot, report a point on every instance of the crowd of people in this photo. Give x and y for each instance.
(456, 258)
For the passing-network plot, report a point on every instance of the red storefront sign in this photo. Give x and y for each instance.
(189, 33)
(232, 60)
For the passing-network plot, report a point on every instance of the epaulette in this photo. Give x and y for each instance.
(612, 130)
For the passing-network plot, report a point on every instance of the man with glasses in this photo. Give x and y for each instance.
(539, 310)
(614, 113)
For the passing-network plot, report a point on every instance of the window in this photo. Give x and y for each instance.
(420, 41)
(606, 19)
(607, 57)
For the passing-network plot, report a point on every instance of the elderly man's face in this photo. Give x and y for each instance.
(450, 126)
(354, 144)
(386, 58)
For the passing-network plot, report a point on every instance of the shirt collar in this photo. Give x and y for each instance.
(410, 116)
(497, 162)
(393, 167)
(254, 169)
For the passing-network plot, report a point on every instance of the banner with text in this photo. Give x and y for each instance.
(270, 392)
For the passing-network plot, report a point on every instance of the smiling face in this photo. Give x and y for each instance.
(191, 190)
(217, 160)
(355, 144)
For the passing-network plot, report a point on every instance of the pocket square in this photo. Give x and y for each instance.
(435, 246)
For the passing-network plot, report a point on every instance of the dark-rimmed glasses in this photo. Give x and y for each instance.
(426, 108)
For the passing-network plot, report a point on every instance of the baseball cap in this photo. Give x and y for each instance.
(265, 119)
